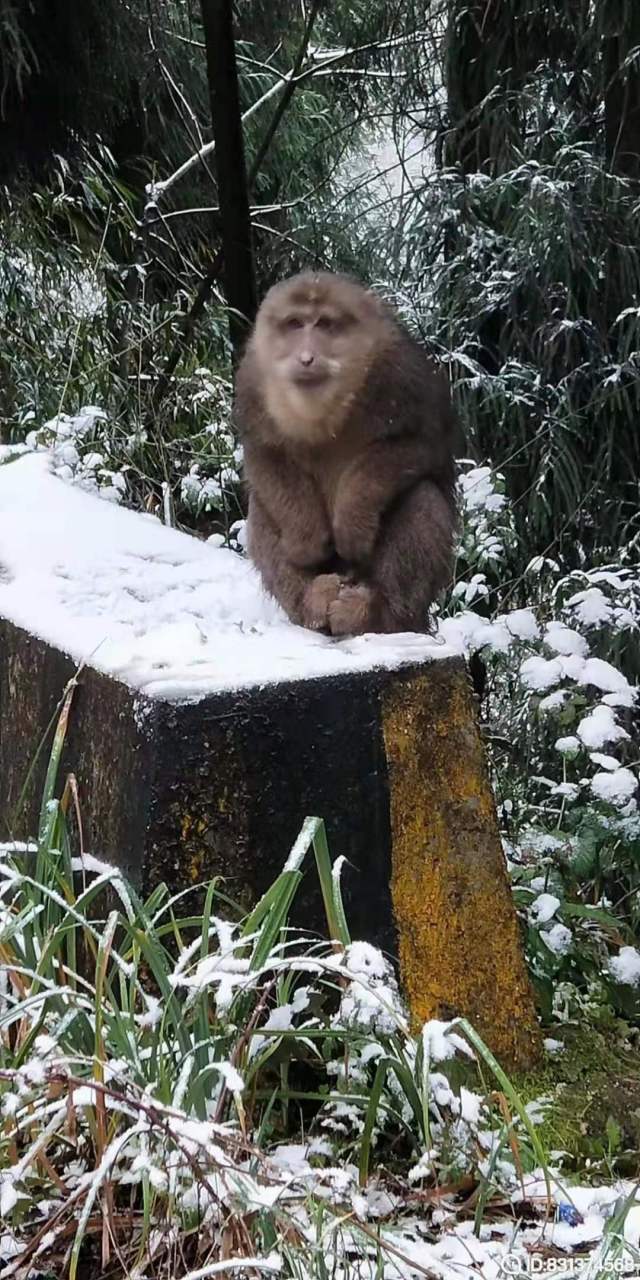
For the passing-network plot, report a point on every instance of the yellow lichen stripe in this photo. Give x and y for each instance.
(208, 826)
(459, 942)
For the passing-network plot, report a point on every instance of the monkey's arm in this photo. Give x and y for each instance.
(293, 503)
(386, 469)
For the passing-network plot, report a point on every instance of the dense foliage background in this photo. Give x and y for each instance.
(478, 161)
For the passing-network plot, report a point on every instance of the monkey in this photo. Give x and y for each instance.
(348, 439)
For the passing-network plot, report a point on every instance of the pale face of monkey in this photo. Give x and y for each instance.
(314, 339)
(307, 346)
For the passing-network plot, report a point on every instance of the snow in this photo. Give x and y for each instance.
(553, 701)
(166, 613)
(153, 1015)
(230, 1075)
(599, 728)
(522, 624)
(270, 1265)
(370, 1000)
(8, 1195)
(563, 640)
(223, 969)
(570, 790)
(553, 1046)
(591, 607)
(95, 866)
(625, 967)
(478, 490)
(540, 673)
(631, 1229)
(558, 939)
(622, 698)
(604, 676)
(466, 632)
(301, 844)
(363, 959)
(543, 908)
(615, 788)
(605, 762)
(440, 1042)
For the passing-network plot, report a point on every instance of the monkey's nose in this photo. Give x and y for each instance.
(306, 358)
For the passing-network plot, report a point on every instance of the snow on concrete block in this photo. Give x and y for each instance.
(205, 728)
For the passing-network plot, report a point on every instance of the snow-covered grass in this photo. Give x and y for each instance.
(186, 1091)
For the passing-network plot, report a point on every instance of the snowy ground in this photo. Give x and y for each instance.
(160, 610)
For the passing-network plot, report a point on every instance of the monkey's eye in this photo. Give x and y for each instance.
(292, 322)
(328, 323)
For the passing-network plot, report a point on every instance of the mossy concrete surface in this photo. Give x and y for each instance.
(459, 941)
(392, 760)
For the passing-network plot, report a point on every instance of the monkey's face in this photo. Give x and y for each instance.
(313, 339)
(308, 344)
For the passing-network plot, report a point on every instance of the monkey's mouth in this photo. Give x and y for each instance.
(310, 378)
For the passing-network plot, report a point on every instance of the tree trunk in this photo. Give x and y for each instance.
(620, 34)
(480, 64)
(233, 194)
(492, 47)
(621, 22)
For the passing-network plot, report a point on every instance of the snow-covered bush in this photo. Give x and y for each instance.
(560, 716)
(545, 375)
(201, 462)
(82, 329)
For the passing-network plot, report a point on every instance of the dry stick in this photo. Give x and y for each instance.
(158, 1115)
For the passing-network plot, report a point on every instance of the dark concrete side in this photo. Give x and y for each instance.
(110, 748)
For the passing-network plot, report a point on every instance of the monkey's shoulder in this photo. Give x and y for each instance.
(404, 362)
(405, 392)
(249, 414)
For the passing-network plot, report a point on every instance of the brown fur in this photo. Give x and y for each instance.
(348, 443)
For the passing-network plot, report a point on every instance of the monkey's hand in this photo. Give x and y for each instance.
(353, 612)
(355, 533)
(318, 599)
(306, 550)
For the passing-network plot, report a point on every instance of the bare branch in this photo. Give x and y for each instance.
(320, 64)
(158, 188)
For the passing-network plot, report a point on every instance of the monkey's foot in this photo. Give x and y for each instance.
(353, 612)
(319, 598)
